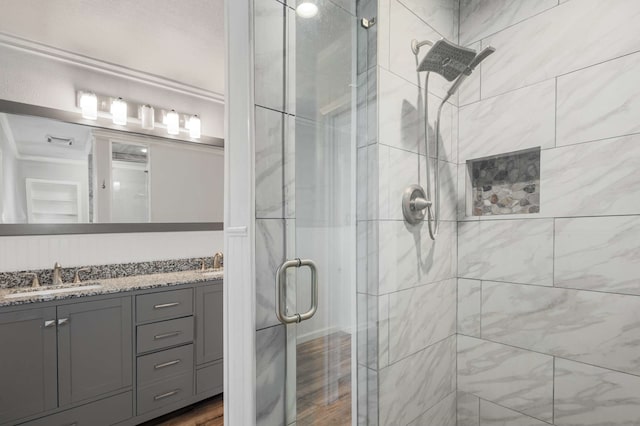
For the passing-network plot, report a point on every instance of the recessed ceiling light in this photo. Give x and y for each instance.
(307, 10)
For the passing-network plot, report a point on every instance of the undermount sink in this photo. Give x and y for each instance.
(45, 291)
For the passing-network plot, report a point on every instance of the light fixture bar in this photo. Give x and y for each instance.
(148, 117)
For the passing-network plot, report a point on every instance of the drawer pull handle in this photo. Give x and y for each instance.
(49, 323)
(166, 364)
(166, 335)
(166, 305)
(63, 321)
(166, 395)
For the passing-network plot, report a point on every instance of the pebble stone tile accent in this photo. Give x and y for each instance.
(506, 184)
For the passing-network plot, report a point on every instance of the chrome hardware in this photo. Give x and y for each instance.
(166, 335)
(367, 22)
(414, 204)
(35, 282)
(57, 274)
(63, 321)
(281, 291)
(218, 261)
(166, 305)
(49, 323)
(166, 395)
(166, 364)
(76, 277)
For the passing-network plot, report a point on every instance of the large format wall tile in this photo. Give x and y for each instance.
(270, 234)
(270, 376)
(269, 142)
(560, 40)
(441, 15)
(514, 378)
(592, 396)
(269, 18)
(507, 250)
(479, 18)
(441, 414)
(469, 294)
(402, 117)
(599, 102)
(595, 178)
(421, 316)
(415, 384)
(408, 257)
(494, 415)
(489, 127)
(468, 409)
(598, 253)
(596, 328)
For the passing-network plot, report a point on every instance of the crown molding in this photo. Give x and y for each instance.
(61, 55)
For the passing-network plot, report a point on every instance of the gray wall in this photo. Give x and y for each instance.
(548, 303)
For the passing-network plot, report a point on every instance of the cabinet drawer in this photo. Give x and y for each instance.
(165, 392)
(105, 412)
(161, 365)
(210, 378)
(164, 305)
(164, 334)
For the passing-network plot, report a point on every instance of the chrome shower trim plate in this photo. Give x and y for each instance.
(409, 197)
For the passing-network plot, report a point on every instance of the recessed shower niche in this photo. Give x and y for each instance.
(504, 184)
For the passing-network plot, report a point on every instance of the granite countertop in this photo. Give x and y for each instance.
(110, 286)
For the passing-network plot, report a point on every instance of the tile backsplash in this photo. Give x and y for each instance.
(506, 184)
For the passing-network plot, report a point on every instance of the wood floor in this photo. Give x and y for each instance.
(323, 388)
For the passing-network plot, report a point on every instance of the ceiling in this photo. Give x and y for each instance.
(178, 40)
(30, 136)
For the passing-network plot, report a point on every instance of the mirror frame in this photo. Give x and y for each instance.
(24, 229)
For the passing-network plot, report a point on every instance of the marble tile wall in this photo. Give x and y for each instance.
(410, 280)
(548, 316)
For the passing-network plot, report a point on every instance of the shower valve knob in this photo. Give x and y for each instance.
(414, 204)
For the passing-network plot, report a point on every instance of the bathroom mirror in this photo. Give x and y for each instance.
(62, 177)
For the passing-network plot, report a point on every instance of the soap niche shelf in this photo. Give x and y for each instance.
(504, 184)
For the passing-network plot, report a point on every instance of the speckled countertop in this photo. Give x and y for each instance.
(110, 286)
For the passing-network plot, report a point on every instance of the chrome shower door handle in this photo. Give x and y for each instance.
(281, 291)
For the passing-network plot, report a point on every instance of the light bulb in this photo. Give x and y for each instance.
(173, 122)
(147, 117)
(194, 127)
(119, 112)
(89, 105)
(307, 10)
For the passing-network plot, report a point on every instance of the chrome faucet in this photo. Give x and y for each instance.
(218, 261)
(57, 274)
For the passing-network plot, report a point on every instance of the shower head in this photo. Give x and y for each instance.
(447, 59)
(467, 72)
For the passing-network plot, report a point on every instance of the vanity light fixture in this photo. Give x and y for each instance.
(194, 125)
(147, 117)
(307, 10)
(119, 112)
(173, 122)
(89, 105)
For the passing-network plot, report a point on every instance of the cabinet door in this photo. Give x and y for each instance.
(95, 354)
(209, 323)
(27, 363)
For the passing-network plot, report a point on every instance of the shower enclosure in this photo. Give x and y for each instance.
(305, 211)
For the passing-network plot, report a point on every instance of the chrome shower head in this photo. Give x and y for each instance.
(447, 59)
(467, 72)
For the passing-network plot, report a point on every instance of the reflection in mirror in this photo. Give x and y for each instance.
(52, 172)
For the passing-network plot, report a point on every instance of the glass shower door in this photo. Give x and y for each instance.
(319, 382)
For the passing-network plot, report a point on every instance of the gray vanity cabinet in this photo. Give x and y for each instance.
(94, 349)
(209, 319)
(27, 363)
